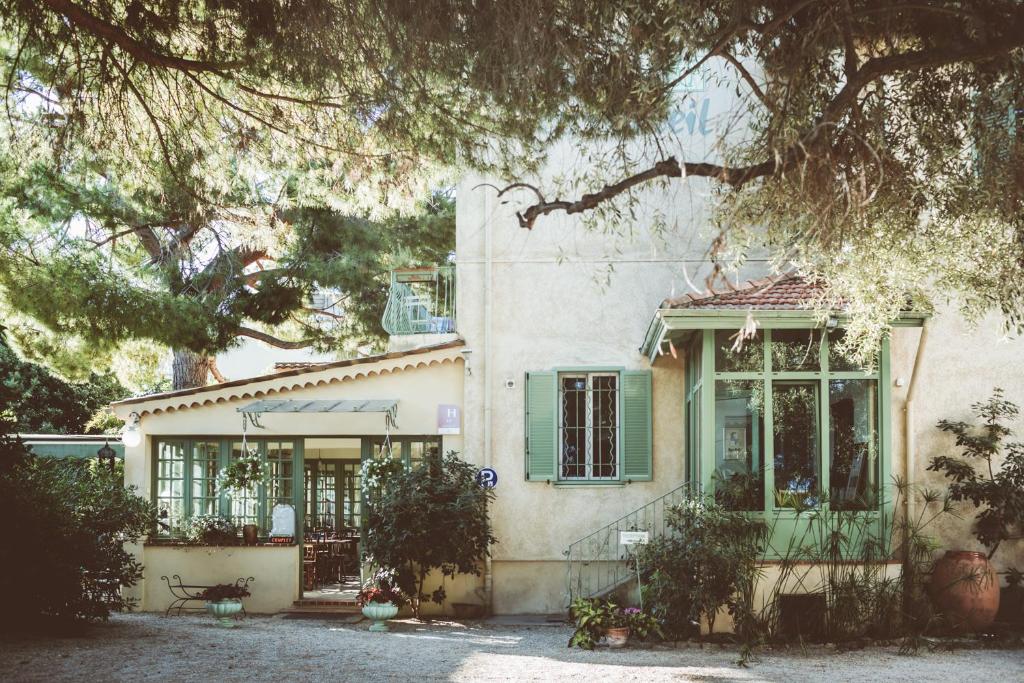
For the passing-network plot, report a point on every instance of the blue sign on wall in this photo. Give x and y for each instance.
(487, 478)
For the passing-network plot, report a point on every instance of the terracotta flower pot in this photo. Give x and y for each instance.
(251, 534)
(617, 637)
(965, 588)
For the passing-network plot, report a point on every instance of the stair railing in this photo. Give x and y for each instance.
(598, 563)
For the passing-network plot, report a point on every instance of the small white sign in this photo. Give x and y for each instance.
(449, 419)
(283, 520)
(634, 537)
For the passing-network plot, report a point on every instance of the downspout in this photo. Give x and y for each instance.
(908, 418)
(488, 295)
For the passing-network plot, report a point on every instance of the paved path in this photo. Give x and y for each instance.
(152, 648)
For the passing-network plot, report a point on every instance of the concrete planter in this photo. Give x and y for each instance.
(379, 612)
(224, 610)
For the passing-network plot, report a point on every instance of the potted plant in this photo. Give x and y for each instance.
(964, 583)
(242, 477)
(210, 530)
(380, 599)
(641, 624)
(224, 601)
(617, 633)
(598, 620)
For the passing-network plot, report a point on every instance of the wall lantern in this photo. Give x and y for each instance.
(107, 455)
(132, 434)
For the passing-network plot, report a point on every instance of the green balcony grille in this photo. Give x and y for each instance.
(421, 301)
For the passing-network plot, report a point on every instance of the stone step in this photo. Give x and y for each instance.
(337, 608)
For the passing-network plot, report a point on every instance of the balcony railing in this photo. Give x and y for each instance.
(421, 301)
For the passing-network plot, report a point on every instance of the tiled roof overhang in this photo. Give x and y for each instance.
(787, 301)
(290, 380)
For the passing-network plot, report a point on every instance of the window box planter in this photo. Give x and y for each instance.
(379, 613)
(224, 611)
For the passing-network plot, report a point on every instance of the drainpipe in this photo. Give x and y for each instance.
(488, 295)
(908, 417)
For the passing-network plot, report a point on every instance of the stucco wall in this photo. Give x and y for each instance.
(275, 570)
(961, 365)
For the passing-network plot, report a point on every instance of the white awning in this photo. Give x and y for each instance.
(389, 406)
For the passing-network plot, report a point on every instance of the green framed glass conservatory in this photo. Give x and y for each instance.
(325, 493)
(779, 421)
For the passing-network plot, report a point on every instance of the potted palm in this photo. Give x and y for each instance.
(241, 478)
(224, 601)
(380, 599)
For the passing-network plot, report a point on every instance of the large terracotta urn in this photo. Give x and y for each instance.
(965, 588)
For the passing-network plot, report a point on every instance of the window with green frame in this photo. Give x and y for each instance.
(185, 481)
(790, 422)
(589, 425)
(411, 450)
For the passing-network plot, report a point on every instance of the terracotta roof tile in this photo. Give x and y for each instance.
(785, 293)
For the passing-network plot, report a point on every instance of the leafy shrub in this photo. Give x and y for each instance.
(210, 529)
(593, 618)
(225, 591)
(427, 518)
(1000, 493)
(69, 521)
(702, 566)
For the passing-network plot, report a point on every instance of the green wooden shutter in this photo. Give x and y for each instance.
(541, 426)
(636, 425)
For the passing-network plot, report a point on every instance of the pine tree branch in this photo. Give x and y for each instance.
(788, 158)
(111, 33)
(272, 340)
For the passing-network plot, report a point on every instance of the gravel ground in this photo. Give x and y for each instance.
(141, 647)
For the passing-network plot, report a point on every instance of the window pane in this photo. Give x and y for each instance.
(840, 361)
(603, 423)
(731, 356)
(170, 487)
(795, 350)
(739, 444)
(574, 426)
(588, 425)
(326, 498)
(797, 461)
(204, 473)
(279, 480)
(351, 493)
(853, 444)
(245, 505)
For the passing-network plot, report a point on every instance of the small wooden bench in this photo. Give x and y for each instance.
(184, 593)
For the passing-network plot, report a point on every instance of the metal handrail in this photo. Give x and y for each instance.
(420, 301)
(598, 563)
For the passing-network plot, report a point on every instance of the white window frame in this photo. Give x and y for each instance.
(589, 429)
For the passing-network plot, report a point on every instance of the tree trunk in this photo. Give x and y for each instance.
(190, 369)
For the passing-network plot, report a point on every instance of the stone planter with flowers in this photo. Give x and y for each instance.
(380, 599)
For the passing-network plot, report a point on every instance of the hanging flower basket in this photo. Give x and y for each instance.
(242, 476)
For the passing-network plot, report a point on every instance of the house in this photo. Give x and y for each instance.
(593, 378)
